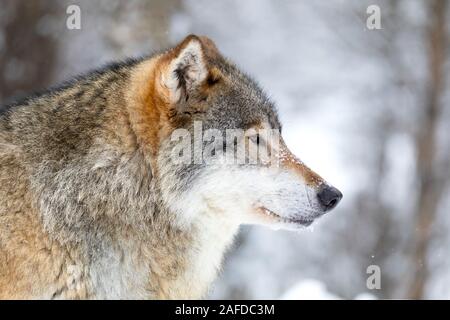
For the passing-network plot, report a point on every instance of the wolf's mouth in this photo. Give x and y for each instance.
(298, 221)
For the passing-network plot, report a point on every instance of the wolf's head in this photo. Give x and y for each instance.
(205, 165)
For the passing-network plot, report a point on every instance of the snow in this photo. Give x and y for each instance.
(309, 289)
(365, 296)
(312, 289)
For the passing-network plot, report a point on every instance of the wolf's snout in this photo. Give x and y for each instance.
(329, 197)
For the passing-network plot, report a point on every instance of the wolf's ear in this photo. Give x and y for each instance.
(185, 68)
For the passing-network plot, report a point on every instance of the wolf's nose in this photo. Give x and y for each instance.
(329, 197)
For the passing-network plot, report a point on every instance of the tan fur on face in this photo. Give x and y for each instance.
(289, 161)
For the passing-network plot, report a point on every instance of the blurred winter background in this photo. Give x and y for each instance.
(367, 109)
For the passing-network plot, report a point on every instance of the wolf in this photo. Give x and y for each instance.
(92, 207)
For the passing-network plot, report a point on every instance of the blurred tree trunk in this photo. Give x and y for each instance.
(430, 188)
(28, 50)
(158, 14)
(152, 23)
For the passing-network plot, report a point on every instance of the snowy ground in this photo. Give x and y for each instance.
(310, 289)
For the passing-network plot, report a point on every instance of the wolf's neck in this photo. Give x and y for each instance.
(200, 258)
